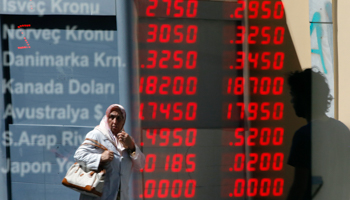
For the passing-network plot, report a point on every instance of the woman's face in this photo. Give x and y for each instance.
(116, 121)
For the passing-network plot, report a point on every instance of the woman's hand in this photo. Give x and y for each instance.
(107, 156)
(126, 140)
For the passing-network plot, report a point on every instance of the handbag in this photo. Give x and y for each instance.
(89, 182)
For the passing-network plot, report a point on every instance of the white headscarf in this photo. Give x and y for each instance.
(104, 127)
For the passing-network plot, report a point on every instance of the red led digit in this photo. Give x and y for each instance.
(167, 54)
(150, 159)
(164, 134)
(252, 189)
(190, 164)
(253, 32)
(149, 186)
(265, 160)
(240, 59)
(255, 81)
(191, 60)
(279, 35)
(253, 59)
(241, 105)
(253, 9)
(177, 137)
(278, 136)
(152, 33)
(151, 136)
(191, 85)
(165, 84)
(266, 35)
(191, 111)
(152, 7)
(278, 85)
(239, 86)
(229, 85)
(265, 133)
(240, 34)
(266, 10)
(252, 136)
(277, 164)
(278, 111)
(151, 85)
(229, 111)
(265, 60)
(154, 110)
(239, 162)
(141, 111)
(178, 8)
(265, 110)
(152, 59)
(278, 187)
(278, 60)
(239, 136)
(178, 59)
(265, 85)
(180, 35)
(190, 189)
(167, 160)
(168, 7)
(240, 10)
(165, 30)
(191, 135)
(178, 85)
(163, 184)
(278, 10)
(165, 110)
(253, 111)
(191, 8)
(177, 163)
(142, 80)
(239, 188)
(177, 111)
(265, 187)
(253, 159)
(191, 36)
(177, 184)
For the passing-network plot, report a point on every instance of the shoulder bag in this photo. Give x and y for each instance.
(85, 181)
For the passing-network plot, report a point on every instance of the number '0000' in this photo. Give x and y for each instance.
(253, 187)
(169, 189)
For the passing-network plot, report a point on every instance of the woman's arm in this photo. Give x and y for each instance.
(88, 155)
(138, 158)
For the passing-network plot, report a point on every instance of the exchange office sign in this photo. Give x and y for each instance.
(68, 76)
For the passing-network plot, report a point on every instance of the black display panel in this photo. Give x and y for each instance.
(215, 109)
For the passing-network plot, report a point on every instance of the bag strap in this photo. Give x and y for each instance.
(97, 144)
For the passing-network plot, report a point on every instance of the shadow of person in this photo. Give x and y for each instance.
(320, 150)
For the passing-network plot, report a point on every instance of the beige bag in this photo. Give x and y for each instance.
(84, 181)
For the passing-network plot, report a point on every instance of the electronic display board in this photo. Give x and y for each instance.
(215, 109)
